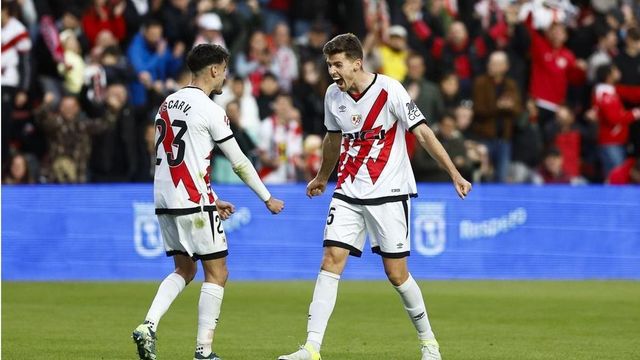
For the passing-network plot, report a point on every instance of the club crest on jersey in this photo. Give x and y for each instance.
(356, 119)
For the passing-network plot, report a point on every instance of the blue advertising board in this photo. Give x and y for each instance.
(110, 232)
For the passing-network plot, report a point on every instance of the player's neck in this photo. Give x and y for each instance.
(362, 82)
(202, 85)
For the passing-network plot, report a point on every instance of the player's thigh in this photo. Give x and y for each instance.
(202, 235)
(345, 227)
(389, 229)
(170, 235)
(185, 266)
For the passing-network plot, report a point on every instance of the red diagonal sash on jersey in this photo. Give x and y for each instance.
(376, 166)
(179, 172)
(351, 165)
(13, 42)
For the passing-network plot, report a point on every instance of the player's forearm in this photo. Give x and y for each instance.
(432, 145)
(249, 176)
(244, 169)
(330, 155)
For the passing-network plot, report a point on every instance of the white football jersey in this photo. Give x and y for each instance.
(15, 40)
(188, 125)
(374, 165)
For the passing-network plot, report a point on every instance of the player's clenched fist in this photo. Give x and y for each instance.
(463, 187)
(274, 205)
(316, 187)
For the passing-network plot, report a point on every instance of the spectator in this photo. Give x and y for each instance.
(566, 136)
(178, 21)
(222, 171)
(152, 60)
(74, 67)
(268, 90)
(551, 170)
(310, 46)
(613, 118)
(450, 88)
(496, 104)
(309, 95)
(393, 55)
(606, 49)
(256, 61)
(423, 92)
(114, 155)
(285, 59)
(16, 69)
(426, 169)
(209, 30)
(69, 133)
(72, 20)
(238, 91)
(17, 171)
(627, 61)
(553, 67)
(312, 154)
(236, 27)
(455, 53)
(280, 143)
(102, 16)
(627, 173)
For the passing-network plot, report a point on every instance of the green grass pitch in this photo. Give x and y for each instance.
(472, 319)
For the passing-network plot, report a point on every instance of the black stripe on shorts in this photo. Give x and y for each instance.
(352, 250)
(400, 255)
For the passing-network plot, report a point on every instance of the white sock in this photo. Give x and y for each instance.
(414, 304)
(324, 299)
(168, 291)
(208, 312)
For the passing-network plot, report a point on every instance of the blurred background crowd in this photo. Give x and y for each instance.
(543, 91)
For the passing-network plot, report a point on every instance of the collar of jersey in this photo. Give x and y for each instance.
(375, 77)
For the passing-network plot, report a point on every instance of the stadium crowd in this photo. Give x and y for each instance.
(543, 91)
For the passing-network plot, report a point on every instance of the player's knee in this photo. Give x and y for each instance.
(397, 277)
(332, 262)
(187, 272)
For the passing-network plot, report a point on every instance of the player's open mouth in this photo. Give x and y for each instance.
(339, 81)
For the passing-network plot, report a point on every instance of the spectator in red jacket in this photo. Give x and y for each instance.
(105, 15)
(553, 67)
(566, 136)
(613, 118)
(626, 174)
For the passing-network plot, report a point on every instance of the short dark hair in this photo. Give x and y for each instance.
(204, 55)
(633, 34)
(603, 72)
(151, 22)
(348, 44)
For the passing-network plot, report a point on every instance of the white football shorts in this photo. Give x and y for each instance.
(198, 235)
(387, 226)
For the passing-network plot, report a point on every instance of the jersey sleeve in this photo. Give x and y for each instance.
(403, 107)
(329, 119)
(218, 124)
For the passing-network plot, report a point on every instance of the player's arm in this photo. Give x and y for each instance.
(432, 145)
(245, 170)
(330, 155)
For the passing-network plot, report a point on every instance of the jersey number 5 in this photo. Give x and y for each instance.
(177, 141)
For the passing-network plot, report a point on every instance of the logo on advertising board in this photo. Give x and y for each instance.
(429, 228)
(146, 231)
